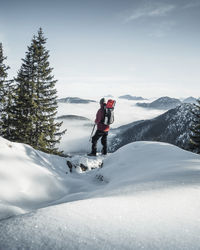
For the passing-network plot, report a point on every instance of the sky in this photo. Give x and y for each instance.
(144, 48)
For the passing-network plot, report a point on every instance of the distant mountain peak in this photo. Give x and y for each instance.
(130, 97)
(164, 102)
(190, 99)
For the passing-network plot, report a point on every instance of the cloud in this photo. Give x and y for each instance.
(152, 10)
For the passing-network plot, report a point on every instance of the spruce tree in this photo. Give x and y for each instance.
(195, 129)
(3, 87)
(7, 112)
(36, 101)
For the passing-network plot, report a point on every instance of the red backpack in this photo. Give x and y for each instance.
(109, 112)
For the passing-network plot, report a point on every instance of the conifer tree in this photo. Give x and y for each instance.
(36, 101)
(7, 112)
(3, 87)
(195, 129)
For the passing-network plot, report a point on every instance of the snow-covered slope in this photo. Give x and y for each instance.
(27, 178)
(146, 196)
(31, 179)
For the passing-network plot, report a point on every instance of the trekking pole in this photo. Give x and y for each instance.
(92, 132)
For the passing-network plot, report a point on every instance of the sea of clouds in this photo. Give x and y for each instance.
(76, 139)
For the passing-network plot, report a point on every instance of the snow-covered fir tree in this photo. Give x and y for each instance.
(195, 129)
(35, 105)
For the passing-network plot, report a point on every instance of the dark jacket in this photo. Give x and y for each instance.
(98, 121)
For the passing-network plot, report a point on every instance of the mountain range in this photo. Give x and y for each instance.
(172, 127)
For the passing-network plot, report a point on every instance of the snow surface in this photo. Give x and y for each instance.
(146, 196)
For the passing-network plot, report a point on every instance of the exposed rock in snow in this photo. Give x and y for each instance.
(84, 163)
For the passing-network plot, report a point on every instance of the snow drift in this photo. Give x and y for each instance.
(30, 179)
(144, 197)
(27, 178)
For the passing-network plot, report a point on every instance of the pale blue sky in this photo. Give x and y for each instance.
(148, 48)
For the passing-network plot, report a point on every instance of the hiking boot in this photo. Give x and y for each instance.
(104, 152)
(92, 154)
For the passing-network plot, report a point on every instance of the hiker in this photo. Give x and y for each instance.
(102, 130)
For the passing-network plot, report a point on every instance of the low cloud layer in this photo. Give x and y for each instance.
(76, 139)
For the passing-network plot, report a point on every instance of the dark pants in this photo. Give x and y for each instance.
(103, 135)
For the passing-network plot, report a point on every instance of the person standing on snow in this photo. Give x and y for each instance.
(102, 130)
